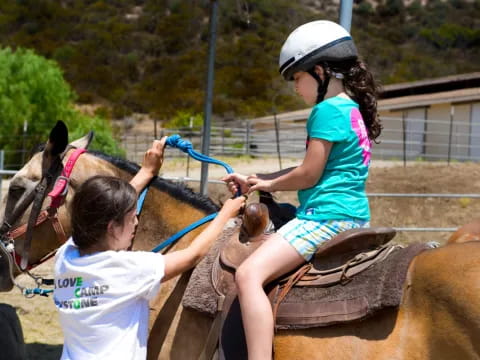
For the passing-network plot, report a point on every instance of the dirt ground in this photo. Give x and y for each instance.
(39, 318)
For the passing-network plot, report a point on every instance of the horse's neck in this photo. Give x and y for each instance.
(163, 216)
(89, 165)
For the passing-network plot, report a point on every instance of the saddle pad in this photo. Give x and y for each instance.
(378, 287)
(200, 294)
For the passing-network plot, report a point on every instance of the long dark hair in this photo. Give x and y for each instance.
(362, 88)
(98, 201)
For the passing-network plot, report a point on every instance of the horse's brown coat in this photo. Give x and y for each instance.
(439, 317)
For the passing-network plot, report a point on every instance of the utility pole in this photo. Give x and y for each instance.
(209, 96)
(346, 14)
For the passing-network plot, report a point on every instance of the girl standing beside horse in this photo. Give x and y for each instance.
(321, 58)
(102, 291)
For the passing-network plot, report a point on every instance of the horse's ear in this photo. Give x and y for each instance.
(58, 139)
(84, 141)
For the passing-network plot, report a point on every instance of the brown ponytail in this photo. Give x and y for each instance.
(361, 87)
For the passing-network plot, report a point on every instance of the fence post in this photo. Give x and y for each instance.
(452, 111)
(223, 138)
(247, 139)
(134, 157)
(404, 128)
(190, 130)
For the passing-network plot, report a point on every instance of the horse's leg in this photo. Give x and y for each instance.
(190, 336)
(176, 333)
(164, 315)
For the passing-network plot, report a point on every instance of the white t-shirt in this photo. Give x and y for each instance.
(103, 301)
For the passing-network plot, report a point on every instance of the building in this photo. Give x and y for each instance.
(433, 119)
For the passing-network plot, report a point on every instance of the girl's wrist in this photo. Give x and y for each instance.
(223, 216)
(148, 172)
(273, 184)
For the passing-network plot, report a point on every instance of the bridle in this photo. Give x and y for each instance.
(56, 176)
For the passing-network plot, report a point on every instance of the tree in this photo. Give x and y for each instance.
(33, 96)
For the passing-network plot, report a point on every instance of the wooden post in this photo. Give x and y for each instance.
(404, 136)
(452, 112)
(247, 139)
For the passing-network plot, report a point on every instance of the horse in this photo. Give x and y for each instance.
(439, 315)
(168, 208)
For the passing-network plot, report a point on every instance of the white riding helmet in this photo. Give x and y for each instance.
(312, 43)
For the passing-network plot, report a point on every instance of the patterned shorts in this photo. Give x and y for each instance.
(306, 236)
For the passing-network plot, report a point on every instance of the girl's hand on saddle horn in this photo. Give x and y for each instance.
(232, 207)
(234, 181)
(259, 184)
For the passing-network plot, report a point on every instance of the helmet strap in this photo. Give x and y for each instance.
(322, 85)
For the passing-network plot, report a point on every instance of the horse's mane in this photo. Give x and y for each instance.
(177, 190)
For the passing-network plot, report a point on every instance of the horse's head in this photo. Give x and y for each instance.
(25, 204)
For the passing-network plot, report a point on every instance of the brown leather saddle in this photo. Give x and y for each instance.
(306, 297)
(336, 261)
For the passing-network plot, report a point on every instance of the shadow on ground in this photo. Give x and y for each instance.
(37, 351)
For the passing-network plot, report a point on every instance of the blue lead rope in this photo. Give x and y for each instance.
(189, 228)
(37, 291)
(185, 146)
(141, 199)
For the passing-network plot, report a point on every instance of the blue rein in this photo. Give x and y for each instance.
(185, 146)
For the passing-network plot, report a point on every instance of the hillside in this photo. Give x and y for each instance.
(149, 56)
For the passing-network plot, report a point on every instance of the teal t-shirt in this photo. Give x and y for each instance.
(340, 192)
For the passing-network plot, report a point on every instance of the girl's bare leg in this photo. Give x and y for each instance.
(271, 260)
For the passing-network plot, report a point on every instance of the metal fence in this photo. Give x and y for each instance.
(417, 138)
(401, 139)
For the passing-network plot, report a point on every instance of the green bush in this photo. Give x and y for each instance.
(452, 35)
(33, 92)
(185, 118)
